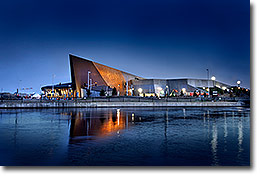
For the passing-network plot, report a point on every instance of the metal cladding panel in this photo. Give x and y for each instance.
(129, 77)
(200, 82)
(114, 78)
(205, 83)
(79, 73)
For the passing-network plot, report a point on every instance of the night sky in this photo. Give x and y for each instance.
(152, 39)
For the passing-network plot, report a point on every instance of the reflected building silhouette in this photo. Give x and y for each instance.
(97, 123)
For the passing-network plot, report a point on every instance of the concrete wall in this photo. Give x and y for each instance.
(160, 86)
(147, 86)
(150, 85)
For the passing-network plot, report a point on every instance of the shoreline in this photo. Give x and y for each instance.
(111, 104)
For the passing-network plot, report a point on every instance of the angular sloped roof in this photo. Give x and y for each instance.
(102, 74)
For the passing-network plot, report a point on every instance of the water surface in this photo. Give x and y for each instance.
(123, 136)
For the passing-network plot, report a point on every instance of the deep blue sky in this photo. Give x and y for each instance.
(153, 39)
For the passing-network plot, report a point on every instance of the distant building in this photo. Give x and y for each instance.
(89, 75)
(60, 90)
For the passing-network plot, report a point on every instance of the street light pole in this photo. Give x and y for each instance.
(19, 86)
(238, 83)
(53, 76)
(88, 78)
(208, 82)
(213, 78)
(126, 85)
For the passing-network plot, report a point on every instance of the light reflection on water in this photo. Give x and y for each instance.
(125, 136)
(97, 124)
(214, 143)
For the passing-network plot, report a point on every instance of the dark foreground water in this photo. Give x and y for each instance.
(155, 136)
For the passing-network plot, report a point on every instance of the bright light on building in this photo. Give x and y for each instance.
(224, 88)
(213, 78)
(140, 90)
(159, 88)
(238, 82)
(183, 90)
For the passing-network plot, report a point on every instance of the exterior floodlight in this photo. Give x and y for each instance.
(140, 90)
(213, 78)
(183, 90)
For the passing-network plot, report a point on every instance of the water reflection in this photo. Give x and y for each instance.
(225, 125)
(15, 130)
(98, 123)
(240, 136)
(161, 136)
(165, 141)
(214, 143)
(166, 124)
(225, 131)
(204, 119)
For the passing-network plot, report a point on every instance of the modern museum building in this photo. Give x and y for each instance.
(88, 75)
